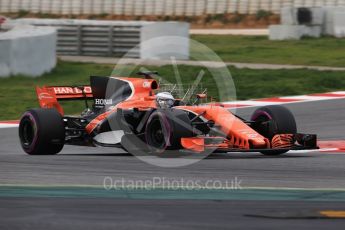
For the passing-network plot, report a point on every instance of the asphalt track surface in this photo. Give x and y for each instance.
(65, 191)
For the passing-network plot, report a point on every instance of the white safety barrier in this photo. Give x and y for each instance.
(27, 50)
(157, 7)
(311, 22)
(113, 38)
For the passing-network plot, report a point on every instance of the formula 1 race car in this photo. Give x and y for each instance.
(132, 114)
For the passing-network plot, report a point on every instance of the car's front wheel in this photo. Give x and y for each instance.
(281, 121)
(165, 128)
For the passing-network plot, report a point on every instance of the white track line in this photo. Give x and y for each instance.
(304, 98)
(6, 125)
(286, 100)
(250, 103)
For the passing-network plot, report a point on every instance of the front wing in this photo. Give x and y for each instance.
(220, 144)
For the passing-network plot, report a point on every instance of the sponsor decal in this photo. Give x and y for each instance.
(45, 96)
(146, 84)
(103, 102)
(71, 90)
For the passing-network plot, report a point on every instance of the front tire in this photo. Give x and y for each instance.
(283, 122)
(165, 128)
(42, 132)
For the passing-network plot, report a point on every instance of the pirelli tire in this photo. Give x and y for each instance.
(42, 132)
(165, 128)
(283, 122)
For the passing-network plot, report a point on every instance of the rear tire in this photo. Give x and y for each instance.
(283, 123)
(42, 132)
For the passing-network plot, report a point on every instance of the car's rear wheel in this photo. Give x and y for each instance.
(42, 132)
(165, 128)
(281, 121)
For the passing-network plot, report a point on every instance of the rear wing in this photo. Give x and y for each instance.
(48, 96)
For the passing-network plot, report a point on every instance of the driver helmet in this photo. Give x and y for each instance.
(165, 100)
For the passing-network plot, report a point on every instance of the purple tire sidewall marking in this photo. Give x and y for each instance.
(35, 127)
(260, 113)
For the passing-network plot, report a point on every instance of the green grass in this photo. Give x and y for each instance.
(325, 51)
(18, 93)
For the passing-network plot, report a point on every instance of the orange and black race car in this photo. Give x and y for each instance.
(132, 114)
